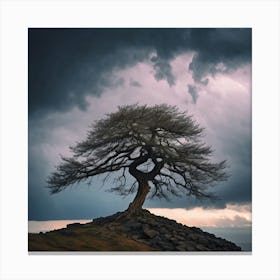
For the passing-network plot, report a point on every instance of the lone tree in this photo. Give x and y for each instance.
(158, 146)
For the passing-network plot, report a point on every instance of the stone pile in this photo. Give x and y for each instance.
(164, 234)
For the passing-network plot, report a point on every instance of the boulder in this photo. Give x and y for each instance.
(150, 232)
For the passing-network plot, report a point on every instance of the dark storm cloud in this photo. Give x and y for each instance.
(216, 47)
(134, 83)
(66, 65)
(163, 70)
(193, 92)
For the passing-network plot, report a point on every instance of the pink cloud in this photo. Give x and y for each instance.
(231, 216)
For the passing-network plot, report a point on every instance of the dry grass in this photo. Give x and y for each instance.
(84, 238)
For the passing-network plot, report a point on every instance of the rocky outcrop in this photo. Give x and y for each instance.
(121, 232)
(164, 234)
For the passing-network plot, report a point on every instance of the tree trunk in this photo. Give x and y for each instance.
(137, 203)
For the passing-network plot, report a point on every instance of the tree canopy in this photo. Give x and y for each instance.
(159, 146)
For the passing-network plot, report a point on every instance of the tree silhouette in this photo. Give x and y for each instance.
(158, 146)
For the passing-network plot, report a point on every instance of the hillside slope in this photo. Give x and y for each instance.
(141, 232)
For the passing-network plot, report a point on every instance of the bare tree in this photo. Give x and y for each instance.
(158, 146)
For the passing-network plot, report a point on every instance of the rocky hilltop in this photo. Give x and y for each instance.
(141, 232)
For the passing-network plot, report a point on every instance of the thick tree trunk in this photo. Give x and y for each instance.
(136, 205)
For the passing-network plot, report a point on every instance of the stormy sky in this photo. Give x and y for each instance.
(75, 76)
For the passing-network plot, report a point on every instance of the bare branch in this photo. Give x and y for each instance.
(155, 144)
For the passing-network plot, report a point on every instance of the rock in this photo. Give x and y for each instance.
(180, 248)
(166, 246)
(203, 240)
(196, 229)
(160, 233)
(180, 238)
(200, 247)
(190, 247)
(133, 225)
(167, 235)
(193, 236)
(145, 241)
(137, 236)
(156, 240)
(150, 232)
(163, 230)
(175, 241)
(182, 244)
(73, 225)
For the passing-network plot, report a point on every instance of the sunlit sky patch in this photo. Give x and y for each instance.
(231, 216)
